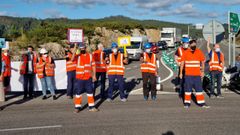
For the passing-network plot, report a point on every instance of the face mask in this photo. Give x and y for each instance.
(83, 51)
(5, 53)
(148, 50)
(45, 55)
(193, 48)
(185, 45)
(114, 50)
(217, 49)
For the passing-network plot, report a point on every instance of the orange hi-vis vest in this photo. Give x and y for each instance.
(71, 65)
(214, 63)
(7, 68)
(180, 53)
(47, 69)
(99, 61)
(116, 66)
(149, 66)
(193, 62)
(84, 66)
(24, 64)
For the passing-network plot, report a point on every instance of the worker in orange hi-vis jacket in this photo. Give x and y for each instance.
(85, 75)
(216, 65)
(193, 60)
(71, 63)
(101, 69)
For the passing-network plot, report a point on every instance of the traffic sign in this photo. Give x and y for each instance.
(215, 31)
(124, 41)
(234, 23)
(2, 42)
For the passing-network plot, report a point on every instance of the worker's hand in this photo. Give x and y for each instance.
(181, 76)
(202, 74)
(94, 78)
(1, 78)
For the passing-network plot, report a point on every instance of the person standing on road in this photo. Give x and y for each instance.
(28, 70)
(71, 71)
(115, 70)
(6, 69)
(149, 69)
(193, 60)
(85, 75)
(45, 71)
(178, 58)
(99, 59)
(216, 65)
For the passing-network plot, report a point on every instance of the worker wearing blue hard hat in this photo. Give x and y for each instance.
(178, 56)
(149, 69)
(116, 61)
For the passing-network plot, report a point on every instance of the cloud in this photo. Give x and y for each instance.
(53, 13)
(219, 2)
(3, 13)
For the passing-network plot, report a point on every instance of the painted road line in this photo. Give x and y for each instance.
(171, 72)
(30, 128)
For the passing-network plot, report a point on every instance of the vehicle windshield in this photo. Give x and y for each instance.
(134, 45)
(166, 35)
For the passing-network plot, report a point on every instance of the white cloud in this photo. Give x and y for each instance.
(3, 13)
(223, 2)
(53, 13)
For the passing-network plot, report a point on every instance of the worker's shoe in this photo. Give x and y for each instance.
(109, 100)
(54, 97)
(205, 106)
(186, 105)
(77, 109)
(145, 98)
(44, 97)
(220, 96)
(93, 109)
(124, 100)
(154, 98)
(70, 97)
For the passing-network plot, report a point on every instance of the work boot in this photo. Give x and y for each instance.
(54, 97)
(44, 97)
(77, 109)
(220, 96)
(124, 100)
(205, 106)
(93, 109)
(109, 100)
(154, 98)
(145, 98)
(186, 105)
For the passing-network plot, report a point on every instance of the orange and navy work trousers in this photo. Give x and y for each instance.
(82, 86)
(193, 82)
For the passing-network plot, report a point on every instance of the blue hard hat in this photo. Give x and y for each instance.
(147, 45)
(81, 45)
(114, 45)
(185, 40)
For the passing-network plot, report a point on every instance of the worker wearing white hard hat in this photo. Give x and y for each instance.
(45, 71)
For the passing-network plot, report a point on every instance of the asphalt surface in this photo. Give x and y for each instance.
(166, 116)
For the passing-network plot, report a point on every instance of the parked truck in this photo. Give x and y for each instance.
(136, 48)
(171, 35)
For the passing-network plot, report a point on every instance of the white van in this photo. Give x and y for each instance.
(136, 48)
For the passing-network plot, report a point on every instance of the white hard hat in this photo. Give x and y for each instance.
(6, 46)
(43, 50)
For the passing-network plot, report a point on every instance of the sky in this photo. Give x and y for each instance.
(180, 11)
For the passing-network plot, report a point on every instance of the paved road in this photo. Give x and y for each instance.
(166, 116)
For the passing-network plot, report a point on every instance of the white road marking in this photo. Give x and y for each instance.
(171, 72)
(30, 128)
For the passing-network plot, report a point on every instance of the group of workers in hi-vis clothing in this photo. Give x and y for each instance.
(86, 70)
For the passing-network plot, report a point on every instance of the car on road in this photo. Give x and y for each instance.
(162, 45)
